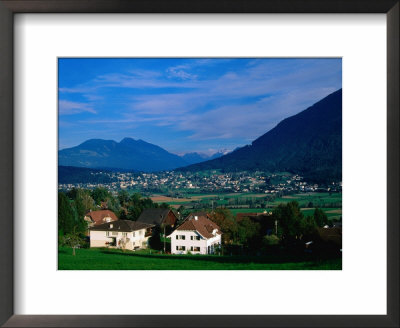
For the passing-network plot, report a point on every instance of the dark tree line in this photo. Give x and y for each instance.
(287, 226)
(74, 204)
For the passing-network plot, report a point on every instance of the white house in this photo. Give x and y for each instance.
(197, 235)
(94, 218)
(123, 234)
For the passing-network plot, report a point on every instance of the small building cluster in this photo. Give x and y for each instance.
(197, 234)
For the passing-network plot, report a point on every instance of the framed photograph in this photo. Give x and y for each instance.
(220, 144)
(178, 187)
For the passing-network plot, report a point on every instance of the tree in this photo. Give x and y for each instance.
(224, 219)
(320, 217)
(308, 227)
(112, 204)
(72, 193)
(248, 231)
(123, 214)
(164, 205)
(66, 215)
(270, 240)
(123, 197)
(80, 207)
(70, 215)
(87, 200)
(290, 221)
(135, 198)
(72, 240)
(134, 212)
(100, 195)
(155, 240)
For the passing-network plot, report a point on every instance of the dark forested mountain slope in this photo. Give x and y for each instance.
(309, 143)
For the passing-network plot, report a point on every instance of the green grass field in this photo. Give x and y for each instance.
(326, 201)
(107, 259)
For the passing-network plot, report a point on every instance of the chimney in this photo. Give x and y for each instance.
(196, 217)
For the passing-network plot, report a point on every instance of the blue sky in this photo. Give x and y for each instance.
(187, 104)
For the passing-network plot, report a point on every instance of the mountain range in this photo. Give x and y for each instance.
(129, 154)
(308, 143)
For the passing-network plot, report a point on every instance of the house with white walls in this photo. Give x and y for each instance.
(94, 218)
(122, 234)
(197, 235)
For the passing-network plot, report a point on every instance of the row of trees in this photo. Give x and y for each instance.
(286, 226)
(74, 204)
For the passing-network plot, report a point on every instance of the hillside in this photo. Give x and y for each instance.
(129, 154)
(71, 174)
(309, 143)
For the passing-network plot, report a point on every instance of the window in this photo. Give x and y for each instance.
(124, 234)
(194, 237)
(195, 249)
(182, 237)
(115, 233)
(133, 233)
(180, 248)
(107, 233)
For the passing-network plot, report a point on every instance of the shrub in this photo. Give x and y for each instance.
(271, 240)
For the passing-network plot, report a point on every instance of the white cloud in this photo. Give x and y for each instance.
(180, 72)
(66, 107)
(237, 104)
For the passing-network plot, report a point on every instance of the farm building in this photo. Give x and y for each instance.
(123, 234)
(158, 216)
(197, 235)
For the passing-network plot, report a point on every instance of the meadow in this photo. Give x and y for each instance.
(330, 203)
(113, 259)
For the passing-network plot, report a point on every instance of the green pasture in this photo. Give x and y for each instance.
(317, 199)
(107, 259)
(329, 203)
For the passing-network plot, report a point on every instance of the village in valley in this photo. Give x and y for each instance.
(176, 183)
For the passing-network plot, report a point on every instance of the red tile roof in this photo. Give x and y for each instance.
(202, 225)
(198, 214)
(98, 216)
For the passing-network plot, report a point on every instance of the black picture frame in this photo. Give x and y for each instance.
(10, 7)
